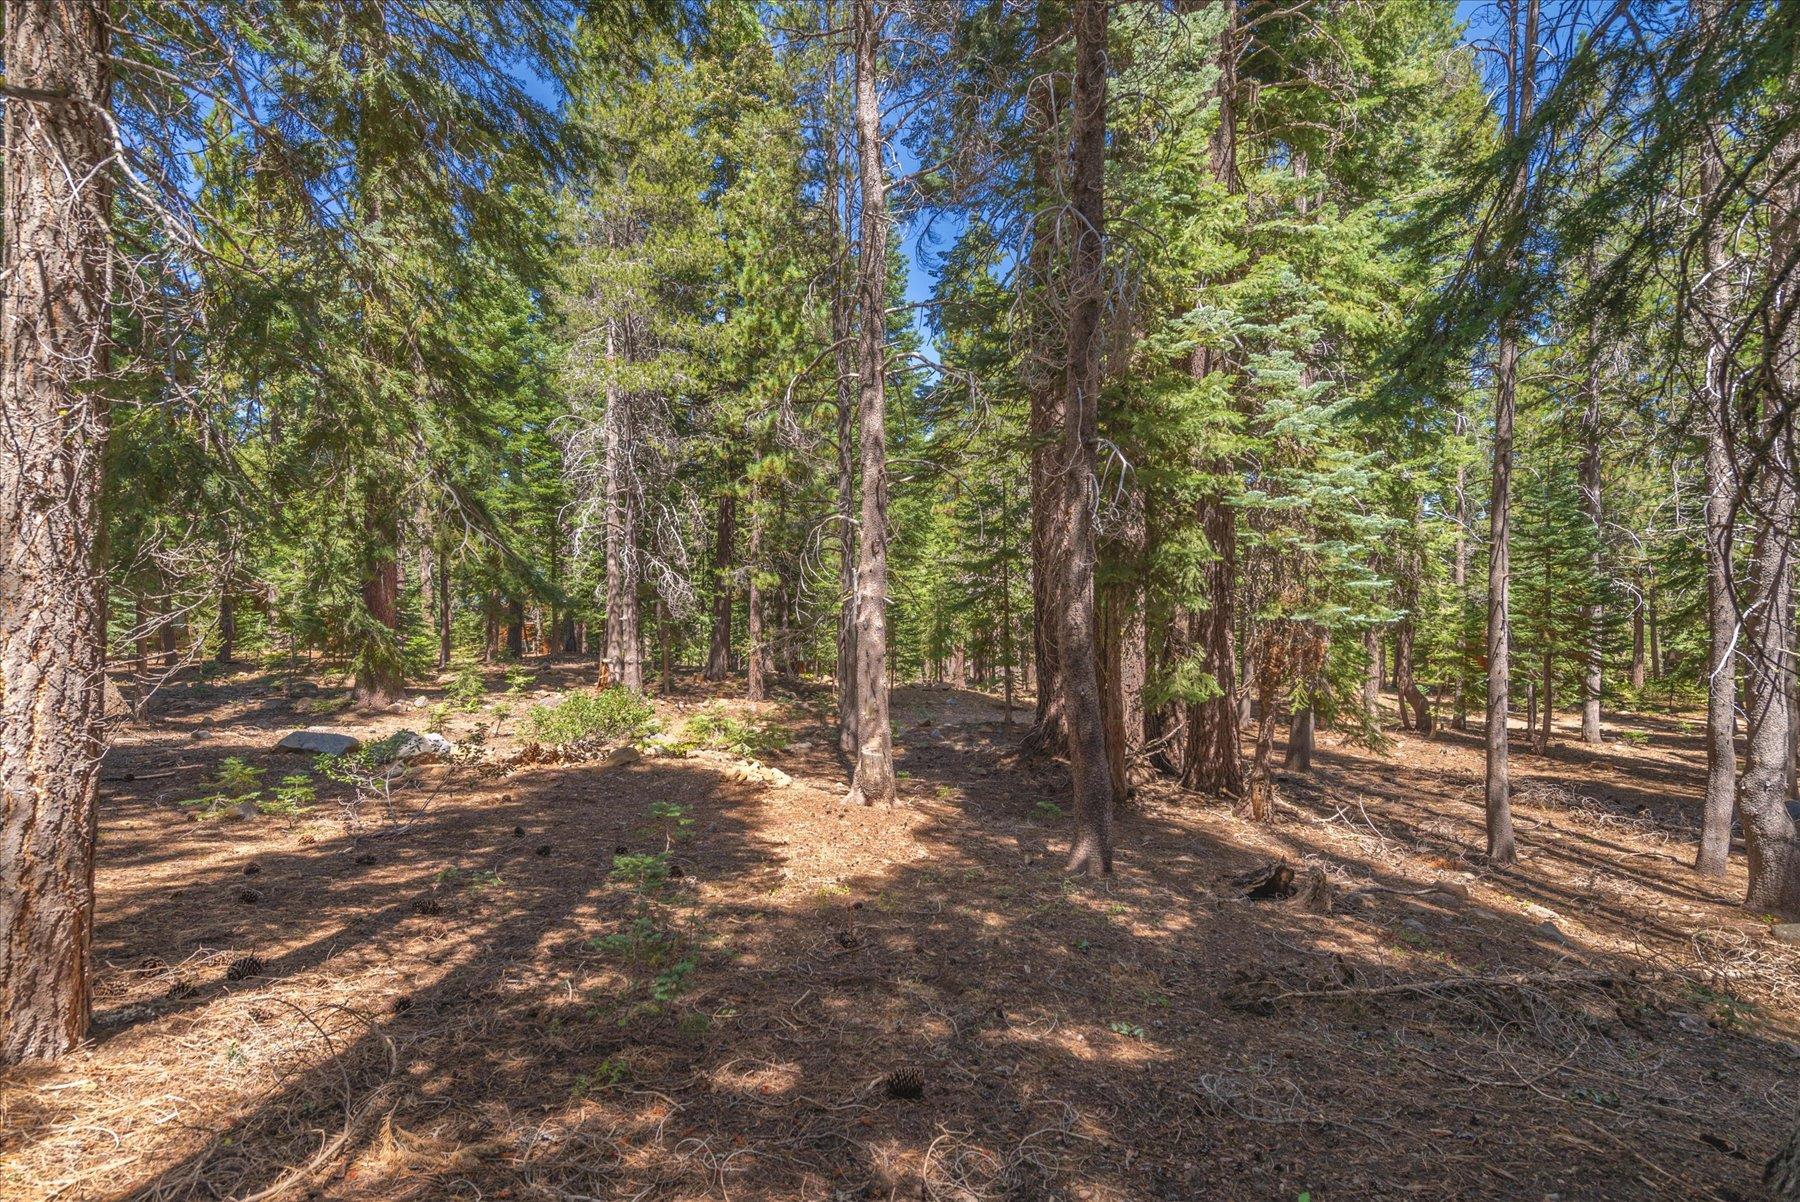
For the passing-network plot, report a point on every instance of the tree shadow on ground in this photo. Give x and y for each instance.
(539, 1037)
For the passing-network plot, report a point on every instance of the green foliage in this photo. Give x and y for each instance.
(713, 728)
(641, 870)
(584, 720)
(237, 781)
(468, 689)
(293, 796)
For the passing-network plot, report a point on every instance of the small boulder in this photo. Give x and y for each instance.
(618, 757)
(422, 749)
(1785, 932)
(318, 742)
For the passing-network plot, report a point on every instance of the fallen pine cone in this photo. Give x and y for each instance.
(244, 967)
(906, 1083)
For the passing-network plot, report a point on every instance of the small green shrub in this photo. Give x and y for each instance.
(437, 717)
(518, 680)
(712, 727)
(293, 796)
(584, 719)
(467, 688)
(236, 782)
(644, 871)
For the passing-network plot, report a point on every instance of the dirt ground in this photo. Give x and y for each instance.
(472, 998)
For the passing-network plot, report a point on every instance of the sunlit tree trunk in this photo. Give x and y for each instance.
(872, 781)
(624, 636)
(1089, 769)
(1502, 847)
(54, 318)
(1596, 612)
(1721, 610)
(1048, 734)
(1770, 841)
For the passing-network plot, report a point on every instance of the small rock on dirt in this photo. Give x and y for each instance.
(318, 742)
(1785, 932)
(414, 748)
(619, 756)
(1541, 913)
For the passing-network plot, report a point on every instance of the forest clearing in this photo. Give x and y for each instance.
(477, 997)
(1060, 600)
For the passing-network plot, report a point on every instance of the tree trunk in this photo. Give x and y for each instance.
(1006, 628)
(756, 638)
(1549, 678)
(1300, 740)
(1459, 715)
(624, 636)
(872, 781)
(1596, 613)
(1770, 841)
(227, 627)
(54, 315)
(841, 192)
(1502, 848)
(444, 630)
(1721, 611)
(380, 671)
(718, 657)
(1049, 732)
(1769, 836)
(1073, 547)
(1637, 643)
(1212, 759)
(515, 628)
(1371, 689)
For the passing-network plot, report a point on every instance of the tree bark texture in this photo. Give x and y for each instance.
(872, 779)
(57, 265)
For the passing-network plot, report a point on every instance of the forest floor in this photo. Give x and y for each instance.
(471, 999)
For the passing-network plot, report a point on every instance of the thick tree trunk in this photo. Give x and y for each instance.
(624, 635)
(846, 500)
(380, 670)
(872, 780)
(1406, 687)
(756, 635)
(1771, 843)
(1049, 733)
(227, 627)
(1721, 611)
(1073, 547)
(1212, 758)
(1769, 836)
(515, 628)
(1300, 740)
(718, 657)
(54, 323)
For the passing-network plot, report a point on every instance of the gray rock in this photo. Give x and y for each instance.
(1549, 930)
(318, 742)
(1785, 932)
(245, 809)
(422, 749)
